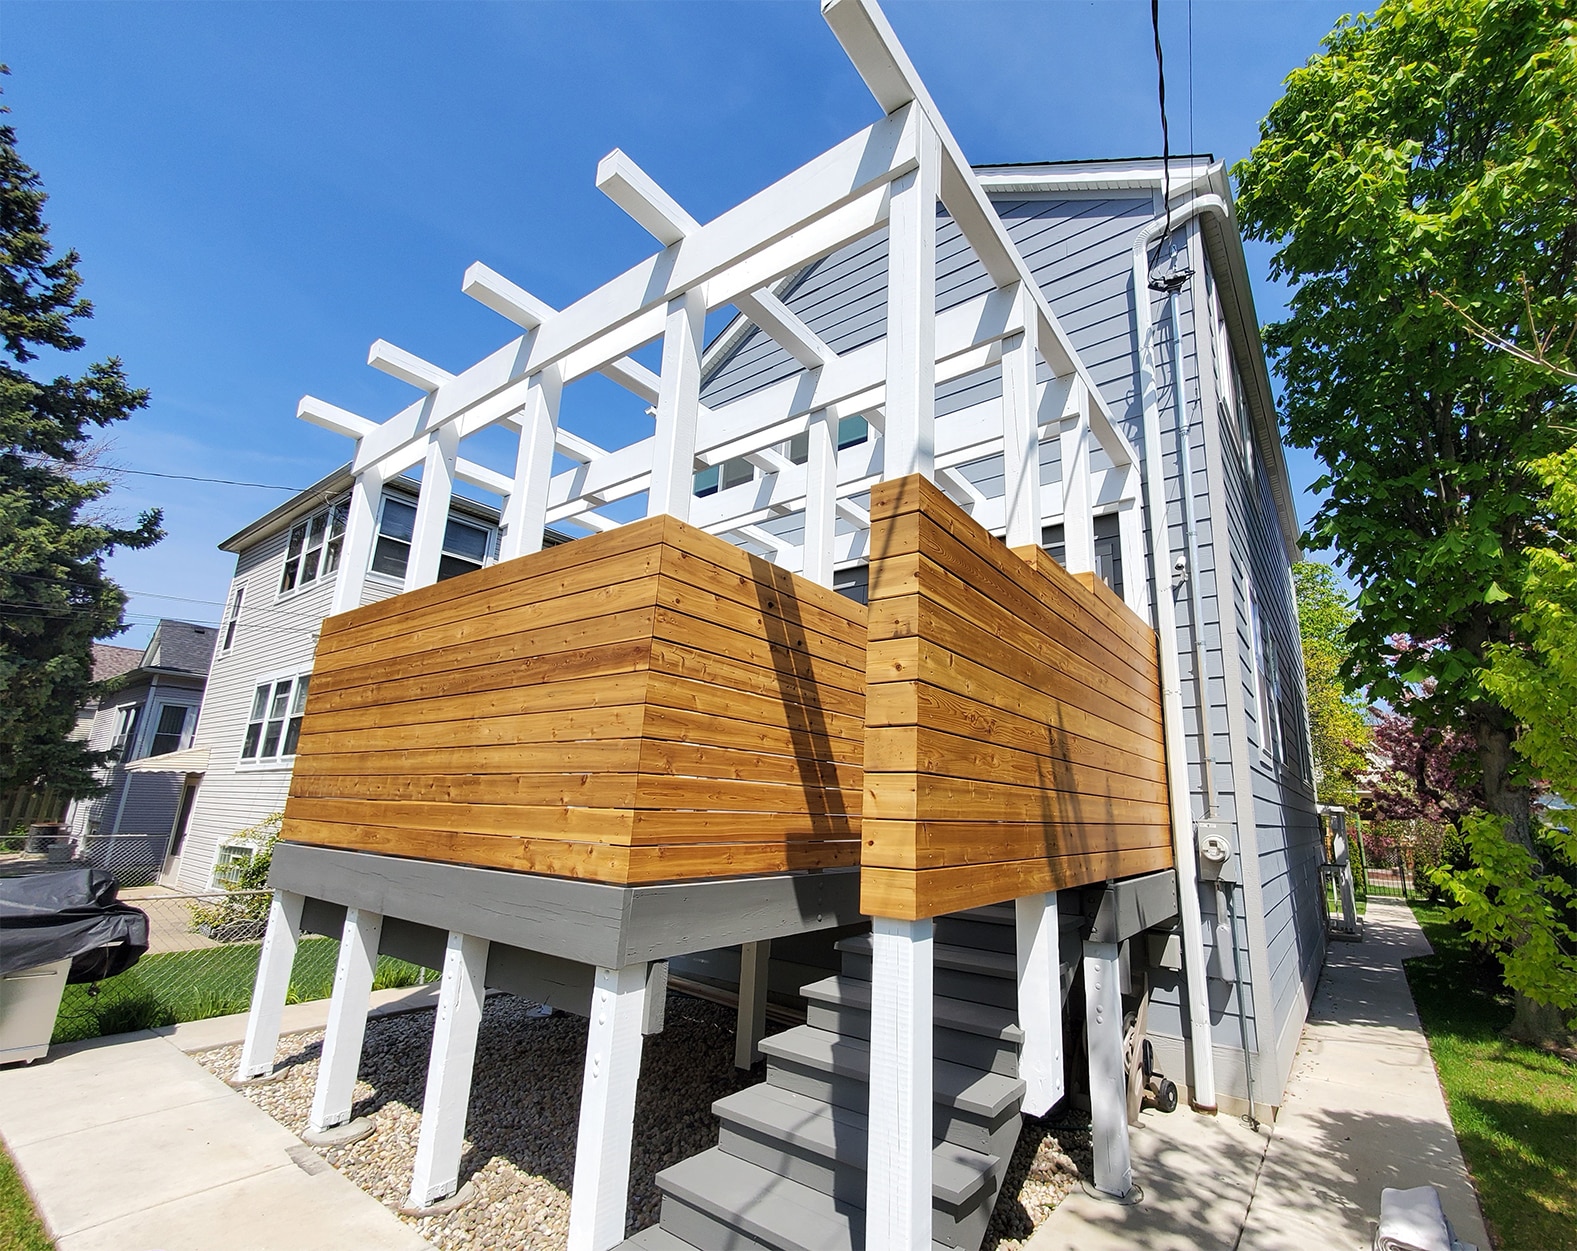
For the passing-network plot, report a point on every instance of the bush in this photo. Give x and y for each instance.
(243, 917)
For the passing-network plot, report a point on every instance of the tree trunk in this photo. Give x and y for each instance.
(1538, 1024)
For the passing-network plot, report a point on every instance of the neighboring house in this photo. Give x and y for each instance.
(146, 716)
(286, 565)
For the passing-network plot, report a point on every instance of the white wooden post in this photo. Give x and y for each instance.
(1078, 517)
(361, 533)
(1103, 1032)
(910, 437)
(1021, 430)
(432, 508)
(898, 1176)
(1040, 1002)
(436, 1174)
(754, 962)
(599, 1197)
(274, 963)
(1130, 532)
(678, 408)
(525, 511)
(347, 1023)
(821, 498)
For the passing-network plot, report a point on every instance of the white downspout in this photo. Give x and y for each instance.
(1203, 1073)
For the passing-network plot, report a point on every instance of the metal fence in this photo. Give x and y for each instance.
(202, 962)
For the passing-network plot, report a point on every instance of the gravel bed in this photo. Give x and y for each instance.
(520, 1130)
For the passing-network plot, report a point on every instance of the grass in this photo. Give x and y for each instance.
(20, 1228)
(1514, 1107)
(179, 986)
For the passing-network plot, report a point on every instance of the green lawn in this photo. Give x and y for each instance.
(1514, 1107)
(20, 1228)
(194, 985)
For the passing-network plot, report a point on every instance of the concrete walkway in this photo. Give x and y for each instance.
(129, 1145)
(1363, 1111)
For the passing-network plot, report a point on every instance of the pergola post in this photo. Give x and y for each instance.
(274, 963)
(910, 436)
(525, 511)
(432, 507)
(1078, 517)
(1021, 429)
(599, 1196)
(361, 533)
(1130, 531)
(347, 1024)
(1103, 1032)
(821, 498)
(1040, 1002)
(678, 408)
(436, 1174)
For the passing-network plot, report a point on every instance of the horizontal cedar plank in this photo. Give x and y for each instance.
(503, 675)
(623, 721)
(710, 604)
(602, 691)
(1093, 596)
(658, 826)
(937, 844)
(818, 726)
(1039, 696)
(416, 636)
(930, 749)
(910, 895)
(686, 796)
(681, 862)
(613, 755)
(693, 760)
(922, 704)
(691, 541)
(550, 562)
(713, 729)
(925, 796)
(581, 790)
(794, 683)
(456, 599)
(752, 649)
(532, 649)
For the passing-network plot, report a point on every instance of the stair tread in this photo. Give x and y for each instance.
(767, 1207)
(839, 1134)
(960, 1014)
(981, 1093)
(947, 956)
(655, 1238)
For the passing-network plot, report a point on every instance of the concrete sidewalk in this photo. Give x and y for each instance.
(1363, 1111)
(127, 1144)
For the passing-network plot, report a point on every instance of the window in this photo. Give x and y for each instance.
(127, 720)
(314, 548)
(275, 723)
(232, 618)
(1108, 550)
(851, 431)
(170, 731)
(466, 543)
(853, 582)
(1267, 680)
(730, 473)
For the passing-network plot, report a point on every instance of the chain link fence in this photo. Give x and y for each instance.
(202, 962)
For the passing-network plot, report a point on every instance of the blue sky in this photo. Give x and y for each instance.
(259, 191)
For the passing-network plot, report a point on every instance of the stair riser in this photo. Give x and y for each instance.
(983, 935)
(955, 1045)
(1000, 992)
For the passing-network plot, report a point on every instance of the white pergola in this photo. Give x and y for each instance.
(806, 517)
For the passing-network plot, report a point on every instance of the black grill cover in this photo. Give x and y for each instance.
(73, 916)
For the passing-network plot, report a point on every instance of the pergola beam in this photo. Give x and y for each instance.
(637, 193)
(407, 366)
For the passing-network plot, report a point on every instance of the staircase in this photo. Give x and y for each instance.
(788, 1172)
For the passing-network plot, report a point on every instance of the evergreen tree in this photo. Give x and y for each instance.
(54, 596)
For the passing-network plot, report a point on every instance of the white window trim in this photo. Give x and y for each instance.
(322, 578)
(492, 529)
(188, 727)
(231, 625)
(272, 764)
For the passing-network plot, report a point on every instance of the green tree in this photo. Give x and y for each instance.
(54, 596)
(1419, 166)
(1338, 726)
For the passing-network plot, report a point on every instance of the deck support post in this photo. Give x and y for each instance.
(1040, 1002)
(347, 1024)
(361, 532)
(274, 963)
(525, 511)
(432, 506)
(1078, 517)
(754, 962)
(821, 497)
(599, 1197)
(436, 1174)
(678, 408)
(898, 1176)
(1103, 1032)
(1021, 429)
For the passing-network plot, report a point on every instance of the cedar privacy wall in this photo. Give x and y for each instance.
(1013, 719)
(648, 704)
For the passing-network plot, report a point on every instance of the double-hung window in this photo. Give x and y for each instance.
(275, 723)
(466, 543)
(170, 731)
(232, 617)
(314, 548)
(127, 719)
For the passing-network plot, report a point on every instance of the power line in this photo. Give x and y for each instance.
(1166, 146)
(188, 477)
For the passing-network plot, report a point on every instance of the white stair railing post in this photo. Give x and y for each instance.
(347, 1024)
(678, 408)
(274, 963)
(436, 1174)
(1103, 1032)
(751, 1027)
(361, 533)
(1021, 430)
(1040, 1002)
(898, 1176)
(432, 507)
(821, 498)
(599, 1197)
(525, 511)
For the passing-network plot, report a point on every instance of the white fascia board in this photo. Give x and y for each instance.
(407, 366)
(637, 193)
(788, 212)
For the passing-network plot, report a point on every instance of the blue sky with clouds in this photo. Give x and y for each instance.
(259, 191)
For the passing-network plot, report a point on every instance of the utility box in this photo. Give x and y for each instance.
(29, 1003)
